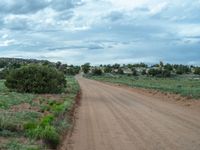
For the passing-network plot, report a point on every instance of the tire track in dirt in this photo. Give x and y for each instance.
(114, 118)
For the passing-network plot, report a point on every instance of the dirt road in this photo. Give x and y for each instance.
(114, 118)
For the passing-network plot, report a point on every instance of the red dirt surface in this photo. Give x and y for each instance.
(118, 118)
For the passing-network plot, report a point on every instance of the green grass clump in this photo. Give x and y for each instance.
(16, 145)
(14, 121)
(8, 99)
(73, 86)
(8, 133)
(44, 130)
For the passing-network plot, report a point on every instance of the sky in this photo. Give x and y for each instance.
(101, 31)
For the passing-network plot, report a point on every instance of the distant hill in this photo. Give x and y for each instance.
(5, 62)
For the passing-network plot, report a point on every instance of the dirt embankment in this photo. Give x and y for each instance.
(119, 118)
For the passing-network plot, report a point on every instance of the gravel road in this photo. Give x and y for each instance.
(114, 118)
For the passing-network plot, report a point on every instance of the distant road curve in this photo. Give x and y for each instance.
(113, 118)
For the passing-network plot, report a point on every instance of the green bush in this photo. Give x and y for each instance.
(47, 120)
(134, 72)
(182, 69)
(50, 136)
(120, 71)
(97, 72)
(36, 79)
(159, 73)
(47, 133)
(3, 73)
(44, 130)
(108, 69)
(197, 71)
(86, 68)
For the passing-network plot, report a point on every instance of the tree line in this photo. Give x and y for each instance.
(7, 64)
(156, 70)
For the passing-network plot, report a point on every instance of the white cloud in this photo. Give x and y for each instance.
(82, 29)
(7, 42)
(128, 4)
(4, 36)
(157, 8)
(189, 30)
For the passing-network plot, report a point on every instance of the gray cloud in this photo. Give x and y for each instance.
(22, 6)
(101, 31)
(65, 15)
(28, 6)
(61, 5)
(115, 16)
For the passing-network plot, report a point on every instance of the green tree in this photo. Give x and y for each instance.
(197, 70)
(134, 72)
(159, 73)
(97, 71)
(107, 69)
(36, 79)
(116, 66)
(144, 72)
(182, 69)
(120, 71)
(86, 67)
(58, 64)
(168, 67)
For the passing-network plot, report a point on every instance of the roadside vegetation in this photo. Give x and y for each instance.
(35, 121)
(183, 85)
(37, 96)
(36, 101)
(178, 79)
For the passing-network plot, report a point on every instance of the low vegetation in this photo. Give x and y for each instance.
(36, 79)
(35, 121)
(174, 78)
(7, 64)
(185, 85)
(36, 96)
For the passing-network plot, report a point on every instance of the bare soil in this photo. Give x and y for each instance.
(119, 118)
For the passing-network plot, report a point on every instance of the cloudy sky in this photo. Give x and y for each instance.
(101, 31)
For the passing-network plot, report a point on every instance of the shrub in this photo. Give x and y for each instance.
(86, 68)
(108, 69)
(134, 72)
(36, 79)
(47, 133)
(182, 69)
(44, 130)
(159, 73)
(197, 70)
(97, 71)
(50, 136)
(166, 73)
(144, 72)
(3, 74)
(154, 72)
(120, 71)
(72, 70)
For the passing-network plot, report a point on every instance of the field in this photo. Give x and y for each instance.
(183, 85)
(35, 121)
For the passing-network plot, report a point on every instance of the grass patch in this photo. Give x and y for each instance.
(14, 121)
(44, 130)
(184, 86)
(45, 120)
(16, 145)
(8, 99)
